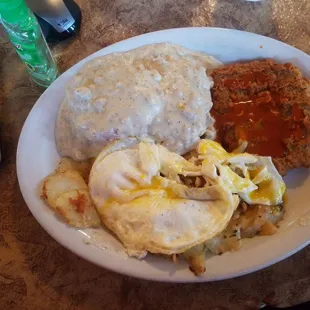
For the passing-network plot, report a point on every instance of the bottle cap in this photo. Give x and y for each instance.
(13, 11)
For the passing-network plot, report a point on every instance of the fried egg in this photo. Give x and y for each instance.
(270, 185)
(139, 196)
(254, 178)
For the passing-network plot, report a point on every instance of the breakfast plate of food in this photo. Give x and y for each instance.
(180, 155)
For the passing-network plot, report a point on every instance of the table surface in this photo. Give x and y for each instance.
(38, 273)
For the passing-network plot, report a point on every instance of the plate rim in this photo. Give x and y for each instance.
(133, 272)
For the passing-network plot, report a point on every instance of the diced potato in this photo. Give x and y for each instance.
(59, 183)
(268, 229)
(247, 222)
(251, 221)
(196, 259)
(77, 208)
(83, 167)
(259, 219)
(224, 243)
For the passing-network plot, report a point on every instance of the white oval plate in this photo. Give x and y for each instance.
(37, 157)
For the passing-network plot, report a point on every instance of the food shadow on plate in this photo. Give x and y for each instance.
(165, 264)
(107, 241)
(296, 177)
(103, 239)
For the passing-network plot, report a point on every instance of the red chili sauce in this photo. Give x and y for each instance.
(260, 120)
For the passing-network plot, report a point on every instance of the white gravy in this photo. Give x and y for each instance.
(159, 91)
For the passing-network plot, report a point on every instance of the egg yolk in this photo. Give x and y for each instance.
(253, 173)
(157, 184)
(266, 191)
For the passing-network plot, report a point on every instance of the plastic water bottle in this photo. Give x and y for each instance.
(25, 34)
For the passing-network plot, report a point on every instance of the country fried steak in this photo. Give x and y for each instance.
(267, 105)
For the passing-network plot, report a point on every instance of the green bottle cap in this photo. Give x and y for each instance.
(13, 11)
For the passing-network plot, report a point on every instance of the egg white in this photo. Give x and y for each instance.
(254, 178)
(148, 211)
(138, 193)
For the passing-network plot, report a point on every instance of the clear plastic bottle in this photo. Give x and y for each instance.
(25, 34)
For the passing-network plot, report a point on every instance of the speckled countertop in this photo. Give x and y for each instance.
(35, 271)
